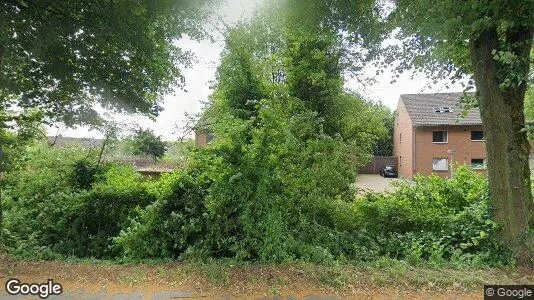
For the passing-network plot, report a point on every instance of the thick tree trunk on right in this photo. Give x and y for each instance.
(2, 50)
(507, 146)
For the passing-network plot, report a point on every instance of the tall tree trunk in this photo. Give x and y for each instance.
(508, 150)
(1, 179)
(2, 50)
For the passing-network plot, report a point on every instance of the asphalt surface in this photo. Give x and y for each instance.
(375, 183)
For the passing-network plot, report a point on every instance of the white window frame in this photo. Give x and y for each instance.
(483, 136)
(483, 167)
(440, 159)
(446, 137)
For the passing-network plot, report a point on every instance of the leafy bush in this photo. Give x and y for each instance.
(266, 193)
(174, 223)
(52, 207)
(247, 199)
(435, 219)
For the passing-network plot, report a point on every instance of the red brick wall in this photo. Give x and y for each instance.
(201, 138)
(459, 139)
(403, 149)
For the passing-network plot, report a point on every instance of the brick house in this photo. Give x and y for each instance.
(429, 134)
(203, 137)
(203, 131)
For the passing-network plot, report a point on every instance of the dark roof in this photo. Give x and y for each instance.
(64, 141)
(421, 109)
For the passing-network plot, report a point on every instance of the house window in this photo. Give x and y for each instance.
(400, 137)
(400, 160)
(444, 109)
(477, 135)
(439, 137)
(440, 164)
(478, 163)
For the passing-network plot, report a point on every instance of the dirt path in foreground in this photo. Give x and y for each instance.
(190, 280)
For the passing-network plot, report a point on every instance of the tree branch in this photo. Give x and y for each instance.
(57, 12)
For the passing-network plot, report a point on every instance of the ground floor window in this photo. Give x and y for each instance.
(478, 163)
(440, 164)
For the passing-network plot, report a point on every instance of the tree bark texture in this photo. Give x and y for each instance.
(2, 50)
(508, 149)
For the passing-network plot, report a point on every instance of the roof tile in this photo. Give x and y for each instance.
(421, 110)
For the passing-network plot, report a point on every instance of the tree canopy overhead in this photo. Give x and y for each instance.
(63, 57)
(492, 41)
(489, 41)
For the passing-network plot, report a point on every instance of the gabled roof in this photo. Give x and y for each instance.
(422, 110)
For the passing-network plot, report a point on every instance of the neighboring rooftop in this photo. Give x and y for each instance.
(63, 141)
(438, 109)
(143, 164)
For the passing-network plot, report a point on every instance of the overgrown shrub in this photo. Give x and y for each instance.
(53, 208)
(435, 219)
(172, 225)
(272, 191)
(247, 199)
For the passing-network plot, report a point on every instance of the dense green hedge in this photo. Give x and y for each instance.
(58, 202)
(259, 210)
(431, 219)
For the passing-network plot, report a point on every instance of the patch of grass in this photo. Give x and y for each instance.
(395, 272)
(274, 291)
(333, 276)
(132, 278)
(274, 278)
(218, 273)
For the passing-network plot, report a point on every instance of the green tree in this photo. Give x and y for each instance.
(529, 104)
(491, 40)
(239, 82)
(384, 145)
(529, 97)
(64, 57)
(60, 59)
(277, 174)
(145, 142)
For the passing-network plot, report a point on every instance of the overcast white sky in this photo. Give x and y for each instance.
(198, 79)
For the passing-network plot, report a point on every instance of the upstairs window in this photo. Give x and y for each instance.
(439, 137)
(477, 135)
(445, 109)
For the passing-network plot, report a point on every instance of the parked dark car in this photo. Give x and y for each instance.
(389, 171)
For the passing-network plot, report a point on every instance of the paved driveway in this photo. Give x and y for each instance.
(374, 183)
